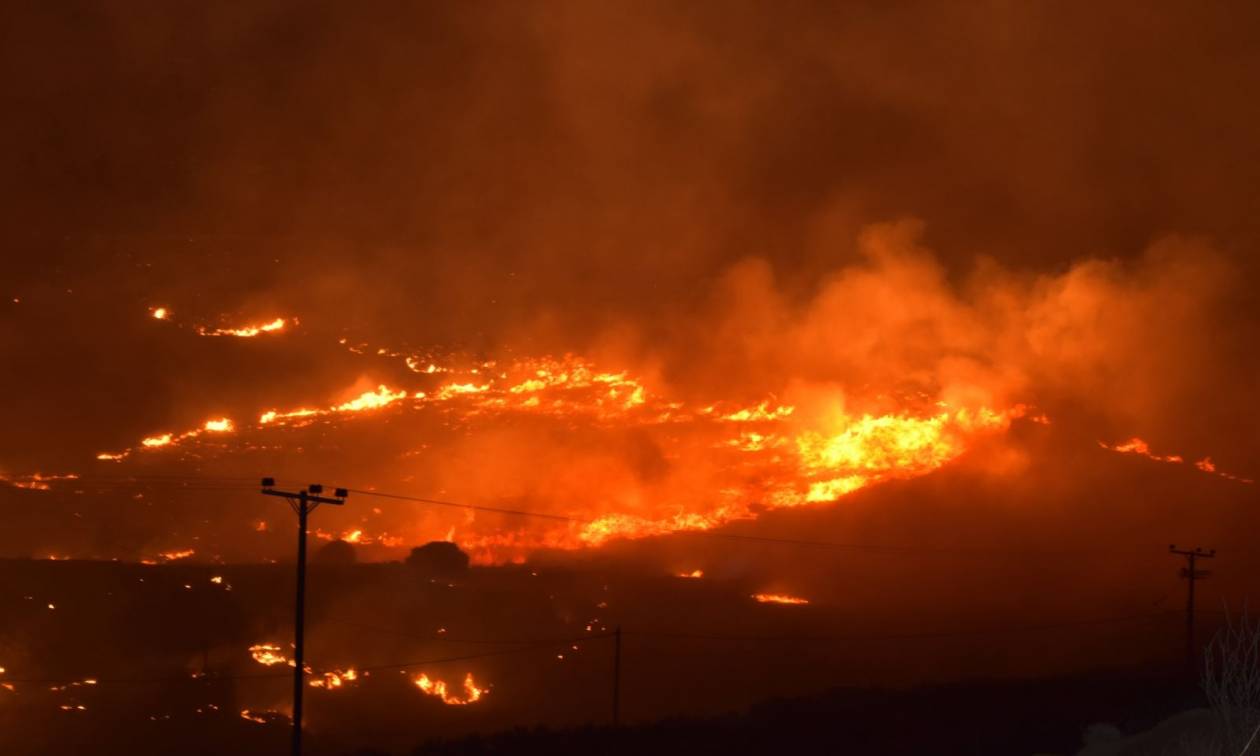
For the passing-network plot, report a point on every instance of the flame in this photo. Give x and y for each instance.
(172, 556)
(779, 598)
(161, 313)
(268, 654)
(335, 679)
(368, 400)
(37, 481)
(371, 400)
(438, 688)
(773, 453)
(263, 717)
(696, 574)
(246, 331)
(155, 441)
(1139, 447)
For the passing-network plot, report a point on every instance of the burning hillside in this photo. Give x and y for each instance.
(836, 395)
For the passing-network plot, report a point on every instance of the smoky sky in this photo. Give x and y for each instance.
(544, 175)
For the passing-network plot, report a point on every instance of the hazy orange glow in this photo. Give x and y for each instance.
(438, 688)
(160, 313)
(779, 598)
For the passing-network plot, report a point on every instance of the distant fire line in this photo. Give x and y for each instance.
(1138, 447)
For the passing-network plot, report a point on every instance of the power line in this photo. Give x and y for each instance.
(230, 483)
(475, 507)
(470, 641)
(534, 645)
(903, 636)
(286, 675)
(898, 549)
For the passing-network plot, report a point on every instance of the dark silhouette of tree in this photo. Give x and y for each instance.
(439, 559)
(335, 552)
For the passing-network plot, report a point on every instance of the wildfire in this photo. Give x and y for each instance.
(694, 574)
(779, 598)
(438, 688)
(778, 454)
(172, 556)
(160, 313)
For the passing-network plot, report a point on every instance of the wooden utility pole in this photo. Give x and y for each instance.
(616, 702)
(303, 502)
(1190, 574)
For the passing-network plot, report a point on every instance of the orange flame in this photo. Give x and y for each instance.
(155, 441)
(268, 654)
(247, 331)
(438, 688)
(779, 598)
(335, 679)
(1139, 447)
(37, 481)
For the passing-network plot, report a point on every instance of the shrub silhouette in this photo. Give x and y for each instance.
(439, 559)
(335, 552)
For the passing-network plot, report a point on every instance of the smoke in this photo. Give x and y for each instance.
(1124, 342)
(707, 196)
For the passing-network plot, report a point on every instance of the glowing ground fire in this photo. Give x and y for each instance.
(779, 598)
(1138, 447)
(472, 693)
(766, 454)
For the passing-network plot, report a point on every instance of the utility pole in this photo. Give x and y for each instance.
(1190, 574)
(616, 718)
(303, 503)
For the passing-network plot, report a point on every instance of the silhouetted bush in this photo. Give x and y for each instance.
(439, 559)
(336, 552)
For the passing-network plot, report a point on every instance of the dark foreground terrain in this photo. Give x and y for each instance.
(113, 658)
(999, 718)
